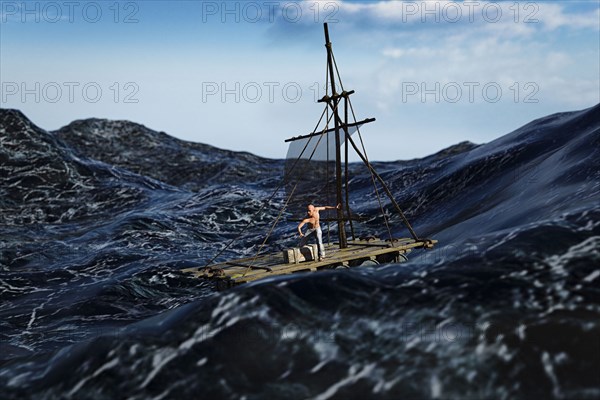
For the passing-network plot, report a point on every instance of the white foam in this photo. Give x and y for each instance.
(592, 276)
(549, 369)
(589, 246)
(160, 359)
(436, 387)
(352, 377)
(112, 363)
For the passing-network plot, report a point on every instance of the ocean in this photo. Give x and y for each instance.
(98, 218)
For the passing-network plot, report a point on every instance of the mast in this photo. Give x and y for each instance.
(346, 175)
(334, 101)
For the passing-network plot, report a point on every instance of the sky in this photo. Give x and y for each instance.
(245, 75)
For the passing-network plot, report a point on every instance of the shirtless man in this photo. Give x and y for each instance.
(314, 228)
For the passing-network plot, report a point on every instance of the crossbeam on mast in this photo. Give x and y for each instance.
(364, 121)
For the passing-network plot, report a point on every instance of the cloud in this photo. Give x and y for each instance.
(538, 56)
(508, 44)
(513, 18)
(431, 12)
(547, 54)
(554, 16)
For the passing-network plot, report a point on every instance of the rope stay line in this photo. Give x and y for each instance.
(281, 184)
(270, 231)
(374, 173)
(385, 219)
(349, 102)
(288, 199)
(332, 104)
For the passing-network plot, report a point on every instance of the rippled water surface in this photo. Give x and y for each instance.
(98, 218)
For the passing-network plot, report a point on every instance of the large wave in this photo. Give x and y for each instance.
(98, 218)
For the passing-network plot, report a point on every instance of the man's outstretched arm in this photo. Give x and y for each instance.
(327, 207)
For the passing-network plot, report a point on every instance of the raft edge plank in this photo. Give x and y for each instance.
(274, 261)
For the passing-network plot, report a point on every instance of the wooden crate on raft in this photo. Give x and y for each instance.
(297, 255)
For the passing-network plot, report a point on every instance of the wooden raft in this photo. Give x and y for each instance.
(374, 251)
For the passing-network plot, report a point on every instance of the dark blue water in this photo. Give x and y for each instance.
(98, 218)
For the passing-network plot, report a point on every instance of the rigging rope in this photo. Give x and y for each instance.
(370, 167)
(287, 201)
(271, 230)
(268, 200)
(385, 219)
(281, 184)
(371, 170)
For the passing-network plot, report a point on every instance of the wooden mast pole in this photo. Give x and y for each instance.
(346, 175)
(338, 157)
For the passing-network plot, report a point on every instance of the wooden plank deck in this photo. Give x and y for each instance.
(249, 269)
